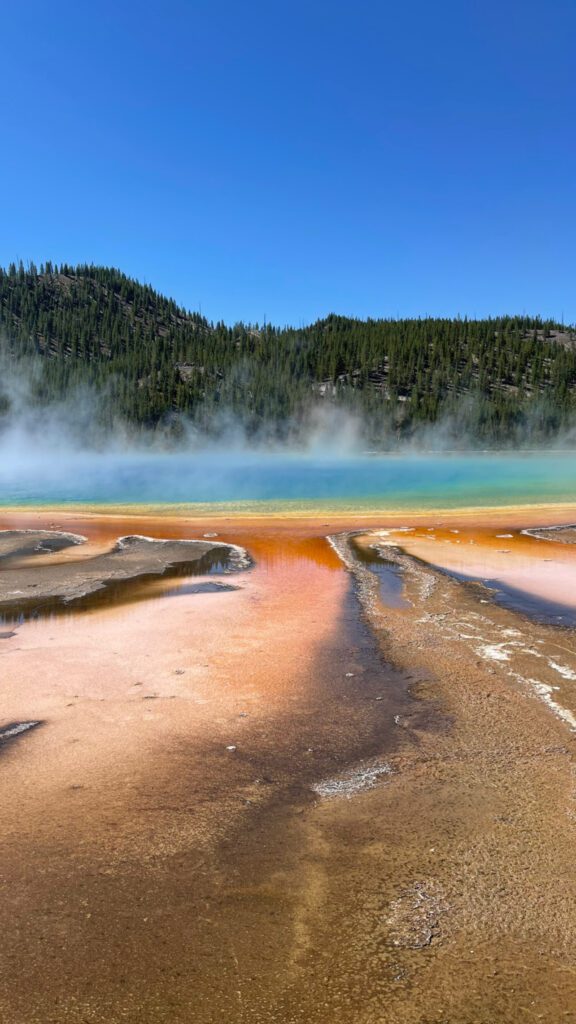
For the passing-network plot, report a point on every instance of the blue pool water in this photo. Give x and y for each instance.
(256, 481)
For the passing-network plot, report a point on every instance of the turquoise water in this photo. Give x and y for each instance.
(268, 482)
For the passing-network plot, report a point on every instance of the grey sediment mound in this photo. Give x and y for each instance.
(23, 585)
(23, 543)
(13, 730)
(565, 534)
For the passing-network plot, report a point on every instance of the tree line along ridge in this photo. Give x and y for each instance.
(153, 363)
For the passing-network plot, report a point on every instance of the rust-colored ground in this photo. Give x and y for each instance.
(150, 874)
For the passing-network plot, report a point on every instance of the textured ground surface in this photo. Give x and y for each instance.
(33, 576)
(290, 802)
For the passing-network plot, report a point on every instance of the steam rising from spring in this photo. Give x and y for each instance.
(64, 452)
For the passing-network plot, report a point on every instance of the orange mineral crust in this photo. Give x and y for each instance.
(292, 799)
(541, 565)
(168, 727)
(121, 685)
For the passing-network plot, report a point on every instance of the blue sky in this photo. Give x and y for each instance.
(281, 161)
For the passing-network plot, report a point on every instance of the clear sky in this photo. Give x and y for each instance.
(285, 160)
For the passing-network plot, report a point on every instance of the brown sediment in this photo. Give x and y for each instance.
(463, 890)
(257, 808)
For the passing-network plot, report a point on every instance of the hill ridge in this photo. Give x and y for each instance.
(154, 361)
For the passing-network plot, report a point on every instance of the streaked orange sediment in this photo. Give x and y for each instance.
(544, 567)
(164, 855)
(207, 652)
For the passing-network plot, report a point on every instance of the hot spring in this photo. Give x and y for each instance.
(268, 483)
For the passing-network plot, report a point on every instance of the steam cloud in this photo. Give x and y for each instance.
(70, 451)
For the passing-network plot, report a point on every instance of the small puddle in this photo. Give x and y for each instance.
(390, 575)
(198, 588)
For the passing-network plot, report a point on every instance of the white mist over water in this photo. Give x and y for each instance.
(58, 454)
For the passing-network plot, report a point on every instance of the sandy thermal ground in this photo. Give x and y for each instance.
(392, 837)
(149, 871)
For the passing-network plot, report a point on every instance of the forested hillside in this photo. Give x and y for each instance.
(502, 381)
